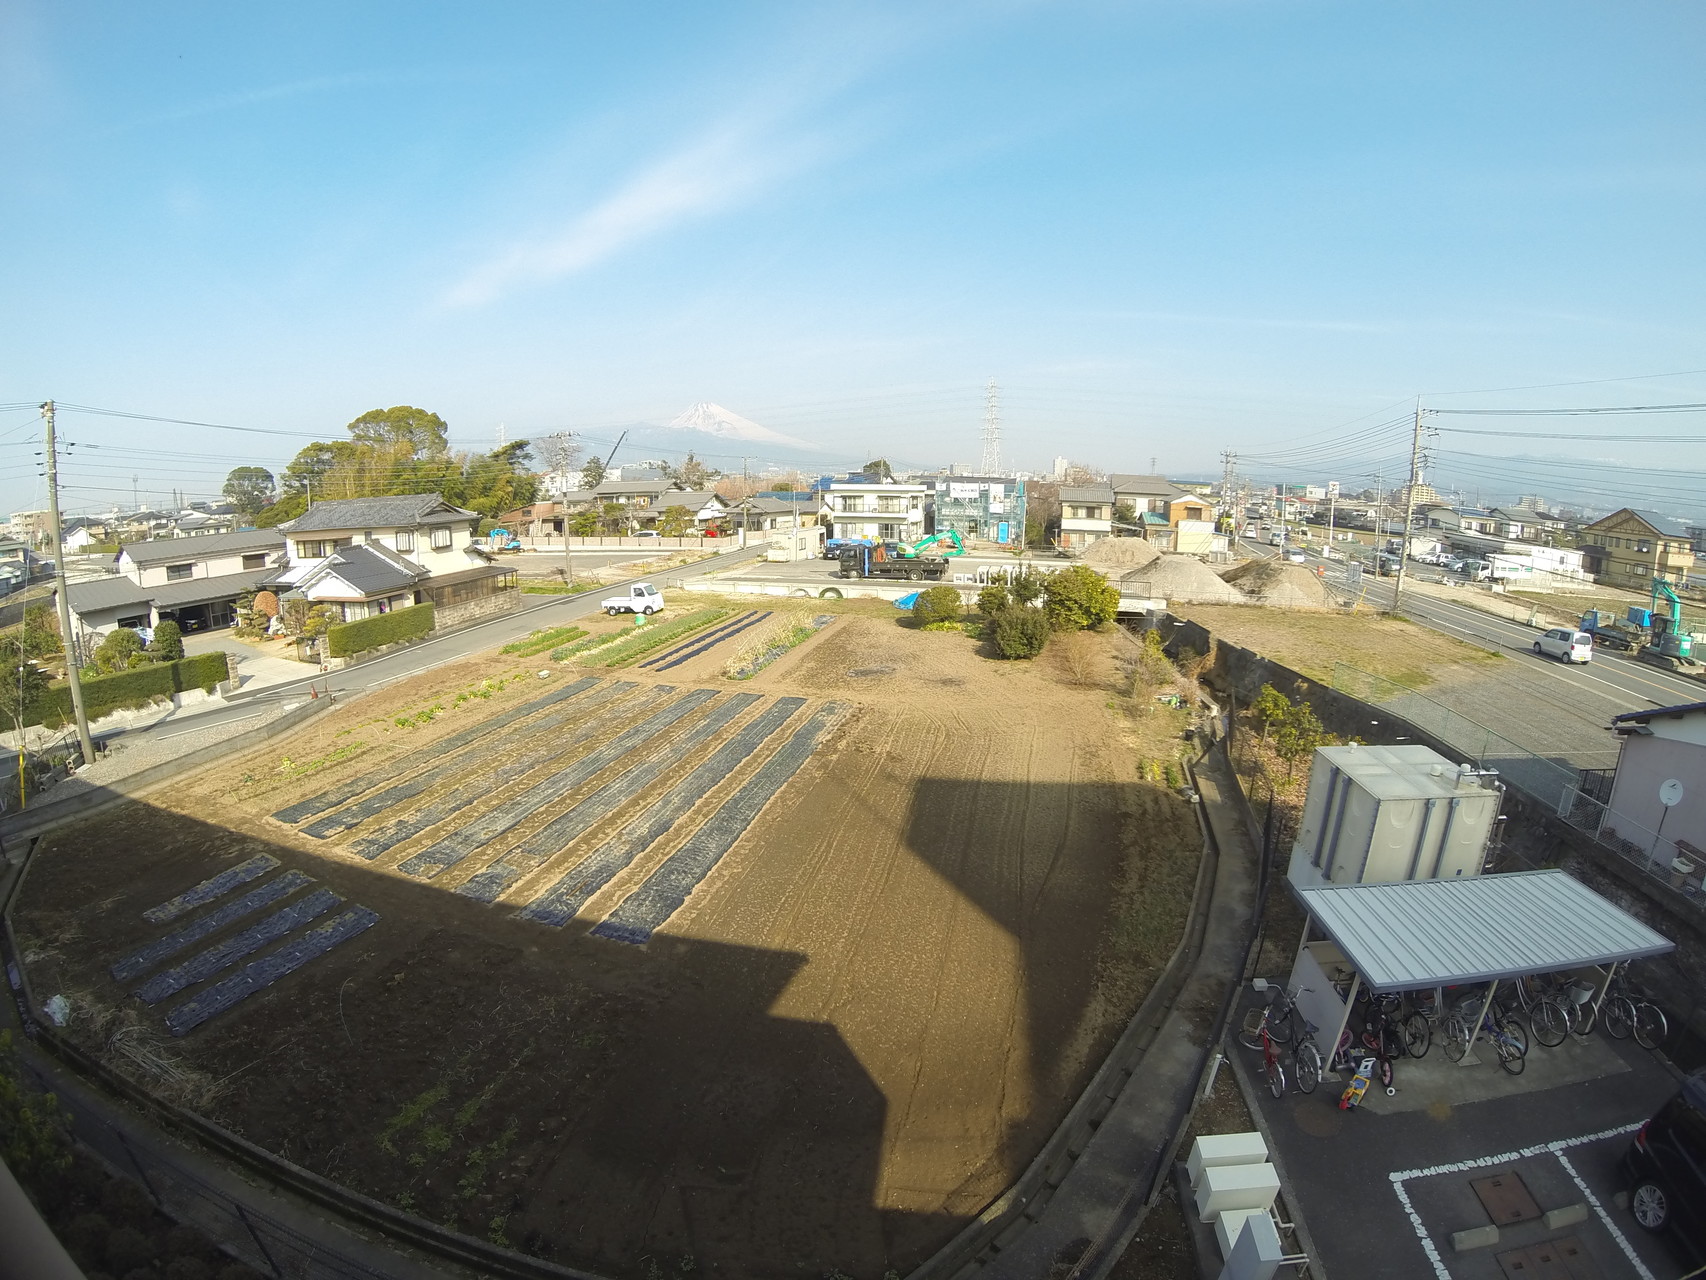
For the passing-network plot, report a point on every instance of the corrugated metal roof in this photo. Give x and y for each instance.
(164, 550)
(1427, 933)
(96, 594)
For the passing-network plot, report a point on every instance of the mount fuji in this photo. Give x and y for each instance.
(714, 420)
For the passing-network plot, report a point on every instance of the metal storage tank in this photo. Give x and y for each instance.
(1392, 813)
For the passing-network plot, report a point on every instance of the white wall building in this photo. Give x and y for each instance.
(875, 510)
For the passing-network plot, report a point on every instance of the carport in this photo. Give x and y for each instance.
(1411, 935)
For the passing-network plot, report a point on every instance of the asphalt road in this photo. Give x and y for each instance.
(536, 612)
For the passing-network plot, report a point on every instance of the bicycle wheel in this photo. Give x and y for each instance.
(1280, 1019)
(1512, 1029)
(1418, 1036)
(1512, 1059)
(1619, 1017)
(1583, 1018)
(1276, 1078)
(1549, 1022)
(1456, 1038)
(1651, 1026)
(1306, 1066)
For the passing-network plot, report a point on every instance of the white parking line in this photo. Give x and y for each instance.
(1556, 1149)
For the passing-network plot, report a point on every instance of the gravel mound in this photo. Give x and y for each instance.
(1273, 582)
(1180, 579)
(1121, 553)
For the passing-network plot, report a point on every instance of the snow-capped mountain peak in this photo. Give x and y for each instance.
(714, 420)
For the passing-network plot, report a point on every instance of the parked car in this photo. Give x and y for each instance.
(642, 597)
(1566, 644)
(1664, 1170)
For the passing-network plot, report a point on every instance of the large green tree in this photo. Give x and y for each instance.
(250, 490)
(425, 433)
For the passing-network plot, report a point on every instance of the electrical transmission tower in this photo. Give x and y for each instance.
(991, 429)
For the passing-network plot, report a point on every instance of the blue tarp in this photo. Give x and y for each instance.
(907, 601)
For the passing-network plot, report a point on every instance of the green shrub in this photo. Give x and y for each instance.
(1027, 587)
(937, 604)
(121, 650)
(168, 643)
(136, 687)
(346, 638)
(993, 599)
(1021, 631)
(1078, 597)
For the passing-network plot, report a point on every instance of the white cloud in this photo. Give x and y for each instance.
(724, 168)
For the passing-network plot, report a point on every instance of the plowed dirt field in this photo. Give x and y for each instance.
(651, 970)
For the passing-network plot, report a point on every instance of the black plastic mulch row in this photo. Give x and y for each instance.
(140, 962)
(694, 639)
(713, 643)
(216, 886)
(204, 964)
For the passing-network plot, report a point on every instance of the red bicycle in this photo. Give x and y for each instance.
(1255, 1035)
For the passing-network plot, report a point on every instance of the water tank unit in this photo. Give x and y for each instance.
(1392, 813)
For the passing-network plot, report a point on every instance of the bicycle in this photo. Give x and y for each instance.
(1538, 998)
(1625, 1012)
(1257, 1033)
(1503, 1032)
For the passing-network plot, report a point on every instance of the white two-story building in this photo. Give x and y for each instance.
(878, 510)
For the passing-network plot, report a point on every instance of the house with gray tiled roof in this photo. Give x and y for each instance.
(365, 556)
(195, 582)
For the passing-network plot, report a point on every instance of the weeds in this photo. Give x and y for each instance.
(411, 1115)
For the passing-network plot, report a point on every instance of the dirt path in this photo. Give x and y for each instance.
(858, 1023)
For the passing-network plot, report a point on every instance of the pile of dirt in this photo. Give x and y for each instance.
(1121, 553)
(1274, 582)
(1179, 580)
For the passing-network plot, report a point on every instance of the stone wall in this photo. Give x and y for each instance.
(449, 617)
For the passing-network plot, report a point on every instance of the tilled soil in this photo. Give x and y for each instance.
(849, 1037)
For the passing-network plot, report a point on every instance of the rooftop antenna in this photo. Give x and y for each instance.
(991, 429)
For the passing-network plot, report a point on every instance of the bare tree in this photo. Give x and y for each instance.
(559, 453)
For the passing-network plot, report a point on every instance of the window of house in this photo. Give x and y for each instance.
(405, 539)
(255, 560)
(178, 572)
(135, 623)
(441, 539)
(1643, 546)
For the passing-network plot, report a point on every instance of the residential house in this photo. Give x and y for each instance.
(1190, 521)
(1630, 547)
(1086, 514)
(878, 510)
(1145, 493)
(1528, 524)
(201, 524)
(642, 501)
(769, 512)
(1662, 821)
(193, 582)
(78, 533)
(984, 508)
(367, 556)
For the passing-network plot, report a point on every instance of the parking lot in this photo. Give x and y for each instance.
(1383, 1189)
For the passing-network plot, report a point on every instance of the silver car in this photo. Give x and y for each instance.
(1566, 645)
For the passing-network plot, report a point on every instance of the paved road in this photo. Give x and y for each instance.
(536, 612)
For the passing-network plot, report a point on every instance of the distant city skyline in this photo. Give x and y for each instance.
(1163, 231)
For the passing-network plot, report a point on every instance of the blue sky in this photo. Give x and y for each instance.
(1165, 229)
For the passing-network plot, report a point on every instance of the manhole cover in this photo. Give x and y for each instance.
(1561, 1259)
(871, 671)
(1506, 1198)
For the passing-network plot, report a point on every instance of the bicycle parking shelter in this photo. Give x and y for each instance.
(1412, 935)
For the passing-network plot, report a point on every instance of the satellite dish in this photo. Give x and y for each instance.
(1670, 791)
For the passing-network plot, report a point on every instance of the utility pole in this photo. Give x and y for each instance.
(72, 675)
(1228, 473)
(1409, 505)
(1332, 509)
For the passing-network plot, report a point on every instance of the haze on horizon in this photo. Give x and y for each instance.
(1166, 229)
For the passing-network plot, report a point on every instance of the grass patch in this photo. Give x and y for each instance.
(642, 640)
(772, 642)
(1311, 643)
(557, 588)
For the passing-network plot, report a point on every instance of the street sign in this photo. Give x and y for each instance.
(1333, 489)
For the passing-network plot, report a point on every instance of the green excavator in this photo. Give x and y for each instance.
(1668, 645)
(946, 543)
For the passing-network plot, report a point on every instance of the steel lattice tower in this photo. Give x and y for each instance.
(991, 429)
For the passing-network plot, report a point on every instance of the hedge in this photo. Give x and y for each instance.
(346, 638)
(137, 687)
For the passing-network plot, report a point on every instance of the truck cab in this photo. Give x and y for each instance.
(642, 597)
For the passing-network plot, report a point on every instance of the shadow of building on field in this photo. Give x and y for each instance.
(605, 1106)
